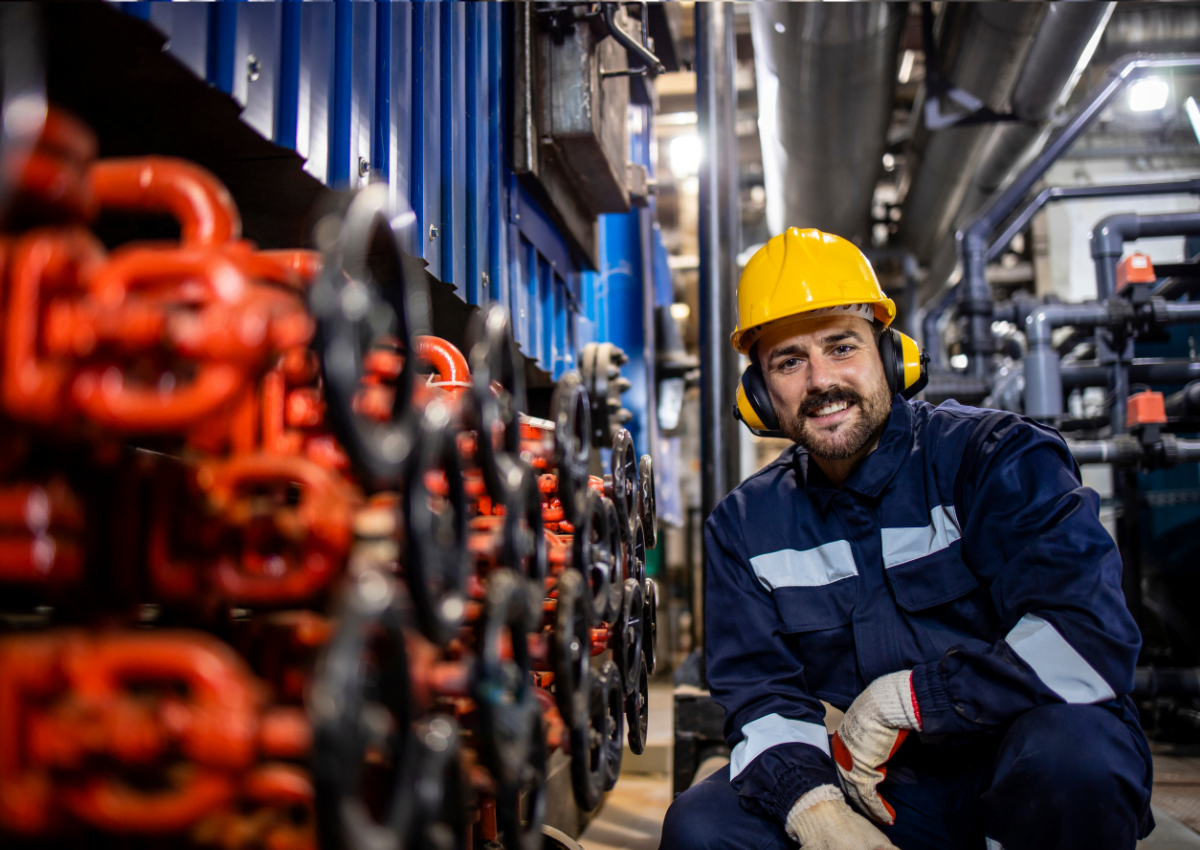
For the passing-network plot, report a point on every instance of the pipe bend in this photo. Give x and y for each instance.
(1108, 237)
(443, 356)
(199, 201)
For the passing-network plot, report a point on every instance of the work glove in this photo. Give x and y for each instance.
(821, 820)
(874, 727)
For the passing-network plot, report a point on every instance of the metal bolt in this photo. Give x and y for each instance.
(432, 232)
(364, 167)
(253, 68)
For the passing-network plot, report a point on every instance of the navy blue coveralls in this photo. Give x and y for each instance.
(965, 549)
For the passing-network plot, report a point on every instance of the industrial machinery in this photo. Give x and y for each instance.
(279, 569)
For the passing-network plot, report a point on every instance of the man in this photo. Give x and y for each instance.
(937, 573)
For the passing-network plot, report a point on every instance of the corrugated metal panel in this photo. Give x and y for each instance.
(416, 94)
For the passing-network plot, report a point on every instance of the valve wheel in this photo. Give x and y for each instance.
(571, 413)
(629, 630)
(497, 394)
(357, 304)
(623, 482)
(650, 625)
(521, 825)
(436, 564)
(362, 721)
(614, 722)
(592, 556)
(616, 587)
(524, 541)
(635, 552)
(646, 505)
(501, 685)
(437, 804)
(589, 748)
(637, 709)
(570, 649)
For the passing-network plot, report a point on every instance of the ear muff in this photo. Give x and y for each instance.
(753, 404)
(904, 364)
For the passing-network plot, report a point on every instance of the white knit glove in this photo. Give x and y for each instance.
(874, 727)
(821, 820)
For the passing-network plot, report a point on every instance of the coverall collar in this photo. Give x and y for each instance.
(874, 472)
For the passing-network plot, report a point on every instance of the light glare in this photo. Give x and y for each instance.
(685, 152)
(1148, 95)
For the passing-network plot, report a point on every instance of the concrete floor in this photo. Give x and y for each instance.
(632, 814)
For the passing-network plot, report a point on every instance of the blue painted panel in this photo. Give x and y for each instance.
(420, 94)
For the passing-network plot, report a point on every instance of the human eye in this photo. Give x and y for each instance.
(843, 350)
(788, 365)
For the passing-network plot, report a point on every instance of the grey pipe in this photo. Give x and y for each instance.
(826, 77)
(1110, 234)
(1043, 380)
(975, 293)
(1126, 450)
(1144, 370)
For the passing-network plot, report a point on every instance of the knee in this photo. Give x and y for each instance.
(700, 816)
(1084, 748)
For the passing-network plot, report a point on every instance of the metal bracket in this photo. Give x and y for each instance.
(938, 87)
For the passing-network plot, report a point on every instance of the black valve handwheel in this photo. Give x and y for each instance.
(614, 722)
(436, 564)
(501, 686)
(646, 507)
(362, 297)
(629, 629)
(361, 713)
(650, 625)
(497, 396)
(624, 481)
(438, 819)
(524, 539)
(571, 413)
(616, 592)
(592, 557)
(571, 648)
(637, 709)
(521, 803)
(635, 552)
(589, 750)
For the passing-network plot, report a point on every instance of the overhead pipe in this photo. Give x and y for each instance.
(1108, 238)
(826, 78)
(1142, 370)
(975, 293)
(983, 46)
(1064, 44)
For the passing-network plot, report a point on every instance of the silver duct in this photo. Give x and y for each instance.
(825, 75)
(1064, 45)
(983, 47)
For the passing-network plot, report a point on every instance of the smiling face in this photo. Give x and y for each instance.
(826, 381)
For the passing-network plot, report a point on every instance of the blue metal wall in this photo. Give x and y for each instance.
(416, 94)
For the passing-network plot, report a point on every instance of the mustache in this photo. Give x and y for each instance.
(833, 396)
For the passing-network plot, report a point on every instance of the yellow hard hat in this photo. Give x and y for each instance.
(800, 271)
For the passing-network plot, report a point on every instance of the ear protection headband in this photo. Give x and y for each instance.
(905, 366)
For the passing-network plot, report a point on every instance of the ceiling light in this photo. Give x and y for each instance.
(906, 66)
(1148, 94)
(1193, 114)
(680, 311)
(685, 153)
(779, 27)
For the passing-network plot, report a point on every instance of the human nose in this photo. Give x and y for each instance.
(821, 375)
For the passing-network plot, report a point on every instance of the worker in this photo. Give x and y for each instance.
(937, 573)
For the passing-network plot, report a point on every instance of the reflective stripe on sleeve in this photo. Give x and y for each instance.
(822, 565)
(771, 731)
(1056, 662)
(901, 545)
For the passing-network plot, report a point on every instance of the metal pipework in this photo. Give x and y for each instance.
(1142, 370)
(1110, 234)
(1127, 450)
(975, 299)
(1043, 382)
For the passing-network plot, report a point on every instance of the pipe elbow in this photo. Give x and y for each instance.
(1108, 237)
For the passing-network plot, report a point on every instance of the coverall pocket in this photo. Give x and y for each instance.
(810, 609)
(933, 580)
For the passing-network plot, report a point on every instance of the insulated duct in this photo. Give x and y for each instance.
(983, 48)
(1065, 42)
(825, 85)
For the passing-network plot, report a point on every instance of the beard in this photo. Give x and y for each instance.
(847, 438)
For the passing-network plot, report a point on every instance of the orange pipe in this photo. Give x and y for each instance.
(444, 357)
(201, 204)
